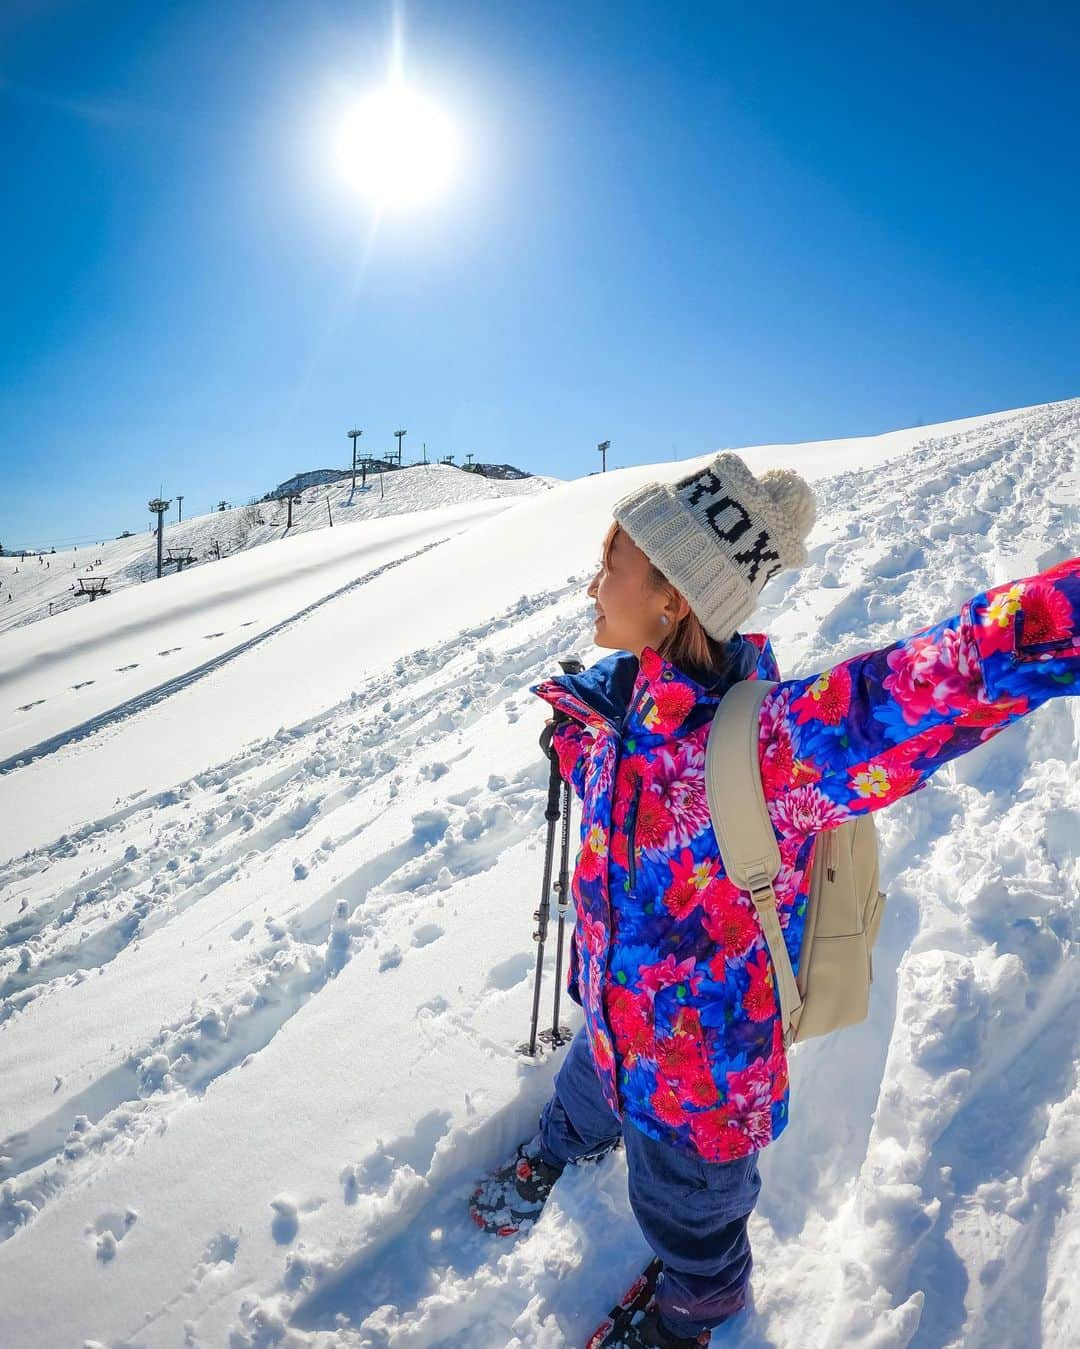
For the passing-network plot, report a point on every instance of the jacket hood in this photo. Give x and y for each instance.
(607, 686)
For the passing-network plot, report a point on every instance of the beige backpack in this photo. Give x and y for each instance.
(845, 905)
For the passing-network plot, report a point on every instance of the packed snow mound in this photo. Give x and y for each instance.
(266, 957)
(47, 586)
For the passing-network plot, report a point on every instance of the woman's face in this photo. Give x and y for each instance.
(628, 613)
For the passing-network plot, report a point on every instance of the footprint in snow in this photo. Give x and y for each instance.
(426, 933)
(433, 1007)
(220, 1250)
(286, 1221)
(390, 960)
(109, 1230)
(510, 972)
(27, 706)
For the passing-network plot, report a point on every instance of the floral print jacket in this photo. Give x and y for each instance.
(668, 959)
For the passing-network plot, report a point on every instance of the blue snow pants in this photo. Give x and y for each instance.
(691, 1212)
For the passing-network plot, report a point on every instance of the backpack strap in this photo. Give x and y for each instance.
(742, 825)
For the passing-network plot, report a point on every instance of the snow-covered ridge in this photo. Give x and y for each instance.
(45, 588)
(288, 911)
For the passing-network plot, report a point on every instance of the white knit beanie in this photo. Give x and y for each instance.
(719, 534)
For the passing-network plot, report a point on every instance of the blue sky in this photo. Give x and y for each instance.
(680, 227)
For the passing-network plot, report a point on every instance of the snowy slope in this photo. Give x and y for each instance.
(33, 588)
(265, 956)
(82, 664)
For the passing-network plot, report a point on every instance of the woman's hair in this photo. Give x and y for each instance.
(687, 644)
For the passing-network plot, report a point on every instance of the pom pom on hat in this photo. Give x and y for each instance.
(794, 509)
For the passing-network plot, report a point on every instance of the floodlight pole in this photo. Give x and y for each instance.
(603, 448)
(159, 507)
(179, 507)
(352, 435)
(399, 435)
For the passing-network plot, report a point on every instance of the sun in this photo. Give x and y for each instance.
(396, 147)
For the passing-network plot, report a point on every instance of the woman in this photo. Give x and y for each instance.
(681, 1055)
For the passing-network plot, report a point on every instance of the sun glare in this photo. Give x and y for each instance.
(396, 147)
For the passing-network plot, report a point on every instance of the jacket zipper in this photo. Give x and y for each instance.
(631, 870)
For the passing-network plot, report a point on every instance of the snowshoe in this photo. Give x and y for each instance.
(511, 1199)
(634, 1321)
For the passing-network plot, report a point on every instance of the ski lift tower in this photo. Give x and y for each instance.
(352, 435)
(603, 447)
(399, 434)
(159, 507)
(183, 557)
(93, 586)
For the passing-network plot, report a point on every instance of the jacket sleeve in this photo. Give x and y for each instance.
(569, 742)
(873, 729)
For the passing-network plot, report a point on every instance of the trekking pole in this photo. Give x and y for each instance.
(555, 809)
(560, 1035)
(541, 915)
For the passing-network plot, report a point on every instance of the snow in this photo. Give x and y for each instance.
(32, 589)
(266, 953)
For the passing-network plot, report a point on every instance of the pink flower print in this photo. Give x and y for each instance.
(628, 1016)
(749, 1099)
(666, 972)
(679, 778)
(672, 703)
(760, 998)
(994, 632)
(1047, 614)
(776, 1063)
(773, 732)
(682, 1059)
(881, 784)
(653, 820)
(827, 699)
(689, 882)
(603, 1055)
(593, 933)
(931, 677)
(992, 715)
(805, 810)
(717, 1137)
(666, 1107)
(594, 851)
(634, 776)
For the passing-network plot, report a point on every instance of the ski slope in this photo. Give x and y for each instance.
(34, 588)
(265, 950)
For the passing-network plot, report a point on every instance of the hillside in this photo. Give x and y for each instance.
(266, 953)
(45, 588)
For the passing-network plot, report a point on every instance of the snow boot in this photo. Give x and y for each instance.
(511, 1199)
(634, 1321)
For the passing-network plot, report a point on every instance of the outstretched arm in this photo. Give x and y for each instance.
(872, 729)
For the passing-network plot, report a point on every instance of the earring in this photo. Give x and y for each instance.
(664, 619)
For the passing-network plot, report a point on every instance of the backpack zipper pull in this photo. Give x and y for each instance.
(832, 848)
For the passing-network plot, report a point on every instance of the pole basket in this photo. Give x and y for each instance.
(556, 1038)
